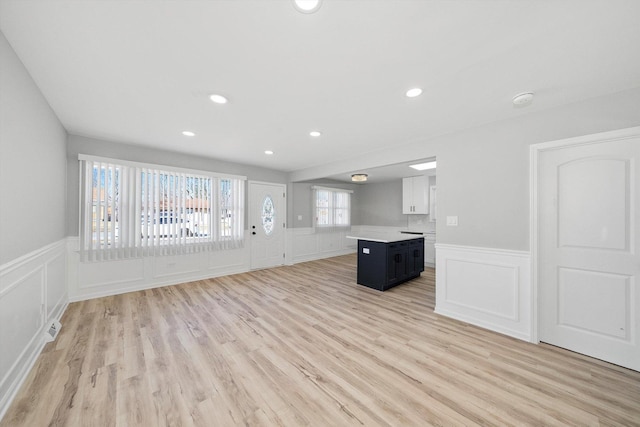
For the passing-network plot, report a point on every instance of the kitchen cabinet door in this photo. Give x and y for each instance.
(415, 198)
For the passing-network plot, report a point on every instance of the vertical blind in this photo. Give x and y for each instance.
(131, 210)
(332, 208)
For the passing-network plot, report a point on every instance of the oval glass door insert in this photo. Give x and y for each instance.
(268, 215)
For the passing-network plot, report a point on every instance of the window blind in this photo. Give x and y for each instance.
(132, 210)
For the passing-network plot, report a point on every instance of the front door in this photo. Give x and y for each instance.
(267, 216)
(589, 236)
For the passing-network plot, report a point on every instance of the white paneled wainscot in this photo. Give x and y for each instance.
(308, 244)
(96, 279)
(490, 288)
(33, 295)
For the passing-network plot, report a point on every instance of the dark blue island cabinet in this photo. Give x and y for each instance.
(385, 263)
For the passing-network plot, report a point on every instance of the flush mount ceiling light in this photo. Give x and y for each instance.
(315, 133)
(307, 6)
(359, 177)
(218, 99)
(188, 133)
(424, 166)
(268, 152)
(412, 93)
(522, 99)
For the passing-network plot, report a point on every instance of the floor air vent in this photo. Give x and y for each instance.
(53, 331)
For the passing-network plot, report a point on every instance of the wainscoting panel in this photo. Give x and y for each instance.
(308, 244)
(97, 279)
(32, 295)
(486, 287)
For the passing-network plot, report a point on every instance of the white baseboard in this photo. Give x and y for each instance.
(313, 257)
(486, 287)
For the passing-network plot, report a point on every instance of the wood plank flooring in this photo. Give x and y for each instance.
(305, 345)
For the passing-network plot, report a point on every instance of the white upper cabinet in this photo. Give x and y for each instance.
(415, 196)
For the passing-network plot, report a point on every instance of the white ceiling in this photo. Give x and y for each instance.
(140, 72)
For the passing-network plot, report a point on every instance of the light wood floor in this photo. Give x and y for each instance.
(305, 345)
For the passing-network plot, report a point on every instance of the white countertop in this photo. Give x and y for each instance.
(385, 237)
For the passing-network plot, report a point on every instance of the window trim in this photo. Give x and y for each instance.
(314, 200)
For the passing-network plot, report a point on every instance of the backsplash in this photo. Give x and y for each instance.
(420, 223)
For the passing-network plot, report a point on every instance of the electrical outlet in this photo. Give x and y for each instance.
(452, 221)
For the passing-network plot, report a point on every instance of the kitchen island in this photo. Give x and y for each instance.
(388, 259)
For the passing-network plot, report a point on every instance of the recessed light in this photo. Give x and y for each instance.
(359, 177)
(523, 99)
(307, 6)
(424, 166)
(412, 93)
(218, 99)
(315, 133)
(268, 152)
(188, 133)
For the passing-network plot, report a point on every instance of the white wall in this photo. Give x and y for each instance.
(32, 221)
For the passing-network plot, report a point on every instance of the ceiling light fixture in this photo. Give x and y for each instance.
(359, 177)
(424, 166)
(218, 99)
(307, 6)
(412, 93)
(315, 133)
(522, 99)
(188, 133)
(268, 152)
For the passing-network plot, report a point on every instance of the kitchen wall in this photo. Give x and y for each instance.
(380, 204)
(32, 226)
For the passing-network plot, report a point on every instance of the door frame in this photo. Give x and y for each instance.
(535, 151)
(284, 208)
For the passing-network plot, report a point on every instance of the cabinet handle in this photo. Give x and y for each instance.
(398, 257)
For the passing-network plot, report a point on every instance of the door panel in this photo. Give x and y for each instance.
(588, 264)
(585, 186)
(267, 217)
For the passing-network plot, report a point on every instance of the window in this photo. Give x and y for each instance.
(131, 209)
(332, 207)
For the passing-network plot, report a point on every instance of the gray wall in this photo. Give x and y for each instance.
(32, 163)
(136, 153)
(483, 173)
(381, 204)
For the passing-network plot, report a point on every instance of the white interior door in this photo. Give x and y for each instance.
(589, 266)
(267, 216)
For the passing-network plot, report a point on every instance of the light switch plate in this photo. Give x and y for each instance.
(452, 221)
(299, 217)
